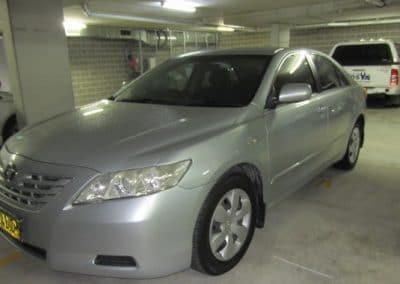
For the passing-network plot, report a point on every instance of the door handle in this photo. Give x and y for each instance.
(321, 108)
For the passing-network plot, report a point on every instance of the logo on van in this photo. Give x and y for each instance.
(362, 76)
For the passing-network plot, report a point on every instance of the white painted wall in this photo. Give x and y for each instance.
(36, 42)
(5, 83)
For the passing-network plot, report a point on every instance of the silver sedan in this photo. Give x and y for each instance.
(176, 170)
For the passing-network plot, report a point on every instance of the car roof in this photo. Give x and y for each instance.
(365, 42)
(234, 51)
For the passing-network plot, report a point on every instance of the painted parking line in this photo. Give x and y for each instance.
(8, 259)
(327, 184)
(303, 267)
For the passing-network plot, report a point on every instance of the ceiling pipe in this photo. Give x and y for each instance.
(320, 14)
(377, 3)
(88, 12)
(350, 23)
(200, 27)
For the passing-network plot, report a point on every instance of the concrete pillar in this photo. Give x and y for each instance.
(280, 35)
(37, 56)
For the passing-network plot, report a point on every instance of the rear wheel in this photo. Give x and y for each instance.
(350, 159)
(225, 226)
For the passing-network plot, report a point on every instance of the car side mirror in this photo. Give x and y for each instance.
(295, 92)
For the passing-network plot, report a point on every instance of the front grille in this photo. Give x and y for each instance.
(31, 191)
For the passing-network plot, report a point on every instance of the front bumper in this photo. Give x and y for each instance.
(155, 230)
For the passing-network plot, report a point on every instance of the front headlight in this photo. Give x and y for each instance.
(133, 183)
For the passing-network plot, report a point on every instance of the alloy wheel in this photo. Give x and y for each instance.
(354, 145)
(230, 224)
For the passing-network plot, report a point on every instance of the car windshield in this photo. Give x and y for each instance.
(366, 54)
(209, 81)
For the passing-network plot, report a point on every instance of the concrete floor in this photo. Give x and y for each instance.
(344, 227)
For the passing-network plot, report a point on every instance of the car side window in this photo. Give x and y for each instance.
(329, 75)
(294, 69)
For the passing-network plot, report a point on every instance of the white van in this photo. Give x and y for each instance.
(373, 64)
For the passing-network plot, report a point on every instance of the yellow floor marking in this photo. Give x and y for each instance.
(12, 257)
(327, 184)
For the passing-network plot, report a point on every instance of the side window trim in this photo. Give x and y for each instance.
(314, 71)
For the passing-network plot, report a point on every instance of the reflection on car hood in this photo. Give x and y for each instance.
(106, 133)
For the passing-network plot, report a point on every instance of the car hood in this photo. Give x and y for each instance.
(107, 135)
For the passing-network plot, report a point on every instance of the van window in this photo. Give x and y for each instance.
(360, 55)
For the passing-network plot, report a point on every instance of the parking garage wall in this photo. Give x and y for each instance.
(243, 39)
(324, 39)
(98, 67)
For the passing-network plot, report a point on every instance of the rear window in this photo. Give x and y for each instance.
(368, 54)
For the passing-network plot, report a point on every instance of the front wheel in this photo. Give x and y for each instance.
(225, 226)
(350, 159)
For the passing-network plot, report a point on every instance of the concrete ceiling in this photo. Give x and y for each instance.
(253, 14)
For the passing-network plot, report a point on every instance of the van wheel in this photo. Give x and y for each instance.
(225, 226)
(10, 128)
(350, 159)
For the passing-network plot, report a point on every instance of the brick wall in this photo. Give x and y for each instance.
(324, 39)
(242, 39)
(98, 67)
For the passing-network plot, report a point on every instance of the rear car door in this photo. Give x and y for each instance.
(335, 92)
(295, 131)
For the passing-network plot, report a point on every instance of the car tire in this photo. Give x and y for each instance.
(225, 226)
(10, 128)
(350, 158)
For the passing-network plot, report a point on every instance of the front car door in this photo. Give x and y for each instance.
(296, 131)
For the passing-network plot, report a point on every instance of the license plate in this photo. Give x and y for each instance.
(361, 76)
(10, 226)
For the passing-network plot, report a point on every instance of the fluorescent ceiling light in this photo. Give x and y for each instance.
(179, 5)
(225, 29)
(338, 24)
(73, 27)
